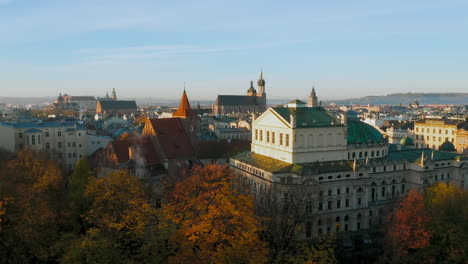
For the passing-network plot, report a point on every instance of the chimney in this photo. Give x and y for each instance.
(293, 120)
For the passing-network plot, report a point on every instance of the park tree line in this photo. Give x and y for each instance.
(206, 215)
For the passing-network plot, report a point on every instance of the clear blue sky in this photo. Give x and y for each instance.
(148, 48)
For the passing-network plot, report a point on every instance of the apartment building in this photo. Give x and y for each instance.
(65, 141)
(433, 132)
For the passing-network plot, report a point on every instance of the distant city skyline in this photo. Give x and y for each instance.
(149, 48)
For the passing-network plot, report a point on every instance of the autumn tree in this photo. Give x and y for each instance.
(447, 207)
(213, 220)
(408, 232)
(121, 219)
(321, 250)
(34, 186)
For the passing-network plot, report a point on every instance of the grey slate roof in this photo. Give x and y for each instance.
(83, 98)
(236, 100)
(117, 105)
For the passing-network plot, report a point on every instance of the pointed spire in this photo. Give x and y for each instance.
(432, 155)
(184, 109)
(422, 158)
(367, 160)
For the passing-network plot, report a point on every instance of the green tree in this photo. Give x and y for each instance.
(79, 204)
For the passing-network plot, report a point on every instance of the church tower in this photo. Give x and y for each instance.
(313, 101)
(189, 119)
(114, 95)
(251, 91)
(261, 92)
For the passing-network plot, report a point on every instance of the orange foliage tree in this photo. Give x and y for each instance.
(213, 219)
(408, 231)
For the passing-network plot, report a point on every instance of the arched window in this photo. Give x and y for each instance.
(346, 217)
(337, 219)
(372, 154)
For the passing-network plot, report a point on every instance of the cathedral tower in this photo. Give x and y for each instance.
(251, 91)
(261, 92)
(114, 95)
(313, 101)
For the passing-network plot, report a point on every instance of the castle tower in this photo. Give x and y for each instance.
(114, 95)
(261, 92)
(313, 101)
(251, 91)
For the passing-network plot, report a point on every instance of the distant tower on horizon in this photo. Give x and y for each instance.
(313, 101)
(261, 95)
(114, 95)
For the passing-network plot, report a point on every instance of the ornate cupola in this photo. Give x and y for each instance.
(251, 91)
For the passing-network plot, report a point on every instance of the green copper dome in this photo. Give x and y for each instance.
(447, 146)
(406, 141)
(362, 133)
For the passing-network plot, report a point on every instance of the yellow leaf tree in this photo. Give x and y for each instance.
(213, 219)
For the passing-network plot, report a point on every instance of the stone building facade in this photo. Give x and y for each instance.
(344, 168)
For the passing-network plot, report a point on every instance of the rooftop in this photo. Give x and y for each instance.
(308, 116)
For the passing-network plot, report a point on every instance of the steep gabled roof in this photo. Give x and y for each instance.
(174, 140)
(236, 100)
(83, 98)
(117, 105)
(120, 148)
(184, 109)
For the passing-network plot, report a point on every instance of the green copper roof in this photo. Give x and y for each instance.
(447, 146)
(415, 155)
(362, 133)
(406, 141)
(277, 166)
(308, 116)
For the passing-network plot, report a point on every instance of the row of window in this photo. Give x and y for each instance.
(365, 154)
(271, 137)
(337, 204)
(388, 168)
(46, 134)
(435, 139)
(339, 176)
(428, 130)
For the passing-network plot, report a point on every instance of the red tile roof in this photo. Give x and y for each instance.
(120, 148)
(172, 137)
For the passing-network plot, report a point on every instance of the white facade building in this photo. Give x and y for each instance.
(343, 167)
(65, 141)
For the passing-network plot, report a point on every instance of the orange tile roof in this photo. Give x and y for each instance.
(184, 108)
